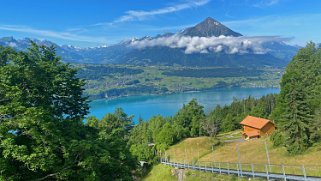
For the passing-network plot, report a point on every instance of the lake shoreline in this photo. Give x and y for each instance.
(146, 106)
(179, 92)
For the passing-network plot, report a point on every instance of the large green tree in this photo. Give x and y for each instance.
(212, 123)
(188, 119)
(299, 101)
(112, 159)
(148, 137)
(40, 109)
(42, 134)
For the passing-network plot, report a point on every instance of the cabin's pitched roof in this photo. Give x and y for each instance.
(255, 122)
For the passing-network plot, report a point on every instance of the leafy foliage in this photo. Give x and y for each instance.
(163, 132)
(228, 118)
(113, 158)
(187, 120)
(298, 107)
(42, 135)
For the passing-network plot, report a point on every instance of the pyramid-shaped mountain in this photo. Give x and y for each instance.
(209, 27)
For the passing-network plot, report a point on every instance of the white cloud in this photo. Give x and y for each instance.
(230, 45)
(53, 34)
(302, 27)
(266, 3)
(141, 14)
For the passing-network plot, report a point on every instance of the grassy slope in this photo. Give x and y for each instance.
(160, 172)
(252, 151)
(193, 149)
(199, 150)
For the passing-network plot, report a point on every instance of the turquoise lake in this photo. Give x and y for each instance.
(168, 105)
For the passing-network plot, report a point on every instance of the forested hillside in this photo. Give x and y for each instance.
(191, 121)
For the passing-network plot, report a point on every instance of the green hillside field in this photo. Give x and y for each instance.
(206, 150)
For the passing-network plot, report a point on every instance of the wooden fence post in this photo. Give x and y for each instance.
(174, 156)
(284, 175)
(228, 168)
(267, 155)
(304, 172)
(267, 172)
(238, 170)
(252, 166)
(239, 158)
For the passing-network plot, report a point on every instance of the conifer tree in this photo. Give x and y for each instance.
(298, 102)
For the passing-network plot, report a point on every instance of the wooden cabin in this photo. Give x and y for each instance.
(254, 127)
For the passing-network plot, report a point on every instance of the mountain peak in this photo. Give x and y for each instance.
(210, 20)
(209, 27)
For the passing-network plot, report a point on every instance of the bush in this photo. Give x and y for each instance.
(277, 138)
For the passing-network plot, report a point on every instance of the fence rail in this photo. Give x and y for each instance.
(270, 172)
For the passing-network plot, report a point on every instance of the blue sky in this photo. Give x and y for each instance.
(99, 22)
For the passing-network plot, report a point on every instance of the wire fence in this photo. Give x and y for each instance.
(269, 171)
(304, 170)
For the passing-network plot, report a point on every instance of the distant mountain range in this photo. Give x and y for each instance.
(209, 43)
